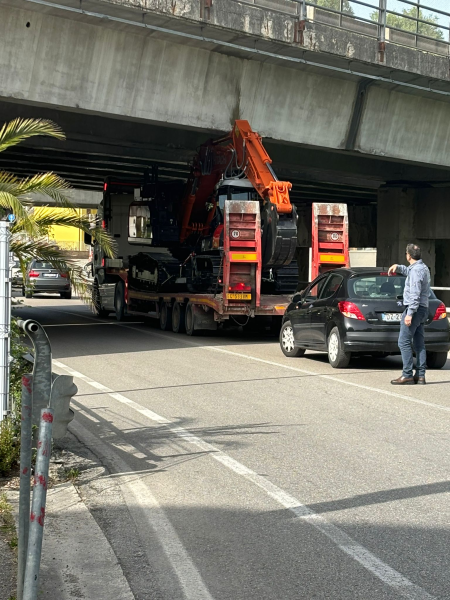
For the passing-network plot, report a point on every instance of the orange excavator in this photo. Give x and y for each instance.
(229, 176)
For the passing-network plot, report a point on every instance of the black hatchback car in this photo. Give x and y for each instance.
(358, 311)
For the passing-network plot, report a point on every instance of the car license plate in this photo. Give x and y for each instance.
(54, 275)
(396, 317)
(239, 296)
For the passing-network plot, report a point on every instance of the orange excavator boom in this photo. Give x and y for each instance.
(257, 166)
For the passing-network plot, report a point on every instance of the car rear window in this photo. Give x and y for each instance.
(378, 287)
(42, 265)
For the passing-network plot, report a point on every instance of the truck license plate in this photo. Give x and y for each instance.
(239, 296)
(397, 317)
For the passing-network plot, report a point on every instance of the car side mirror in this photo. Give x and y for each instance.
(88, 239)
(297, 298)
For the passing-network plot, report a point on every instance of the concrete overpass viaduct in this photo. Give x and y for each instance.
(350, 110)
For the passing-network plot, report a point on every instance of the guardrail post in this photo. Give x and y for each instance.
(382, 16)
(25, 479)
(5, 318)
(50, 400)
(42, 369)
(37, 515)
(299, 26)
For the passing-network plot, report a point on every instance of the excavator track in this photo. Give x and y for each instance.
(203, 273)
(153, 272)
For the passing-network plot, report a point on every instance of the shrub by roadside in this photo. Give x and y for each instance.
(10, 426)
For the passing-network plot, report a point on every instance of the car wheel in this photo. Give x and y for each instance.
(28, 294)
(337, 357)
(287, 343)
(66, 295)
(436, 360)
(178, 320)
(120, 306)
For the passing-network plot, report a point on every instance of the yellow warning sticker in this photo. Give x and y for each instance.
(250, 256)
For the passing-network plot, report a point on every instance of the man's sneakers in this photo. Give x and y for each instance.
(403, 381)
(409, 380)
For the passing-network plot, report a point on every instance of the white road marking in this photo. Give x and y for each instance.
(145, 508)
(330, 378)
(276, 364)
(298, 370)
(344, 542)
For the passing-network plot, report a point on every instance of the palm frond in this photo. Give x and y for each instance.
(20, 129)
(10, 202)
(45, 184)
(27, 249)
(7, 181)
(105, 240)
(42, 219)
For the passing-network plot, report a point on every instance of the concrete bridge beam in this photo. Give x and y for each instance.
(88, 67)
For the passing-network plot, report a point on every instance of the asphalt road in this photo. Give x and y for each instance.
(235, 473)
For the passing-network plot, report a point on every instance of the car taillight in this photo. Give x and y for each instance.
(441, 312)
(33, 274)
(64, 275)
(350, 310)
(239, 287)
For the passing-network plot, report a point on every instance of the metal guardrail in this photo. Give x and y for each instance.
(46, 403)
(420, 24)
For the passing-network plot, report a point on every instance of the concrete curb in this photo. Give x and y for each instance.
(77, 559)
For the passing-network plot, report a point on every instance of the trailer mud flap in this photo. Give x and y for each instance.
(202, 317)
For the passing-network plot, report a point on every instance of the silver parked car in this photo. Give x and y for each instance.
(43, 277)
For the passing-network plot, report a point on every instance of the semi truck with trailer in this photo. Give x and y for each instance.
(216, 249)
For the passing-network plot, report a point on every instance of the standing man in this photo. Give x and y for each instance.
(415, 300)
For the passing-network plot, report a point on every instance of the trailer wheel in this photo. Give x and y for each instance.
(165, 317)
(189, 320)
(99, 311)
(178, 318)
(120, 306)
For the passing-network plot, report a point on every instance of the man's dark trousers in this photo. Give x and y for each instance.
(413, 335)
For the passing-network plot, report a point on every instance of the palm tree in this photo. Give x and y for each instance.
(28, 233)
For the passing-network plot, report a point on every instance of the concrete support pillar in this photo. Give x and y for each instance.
(362, 226)
(421, 216)
(395, 227)
(304, 213)
(442, 277)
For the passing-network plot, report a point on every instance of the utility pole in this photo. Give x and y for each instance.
(5, 314)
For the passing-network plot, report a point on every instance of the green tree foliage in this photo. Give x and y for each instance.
(430, 28)
(29, 232)
(336, 5)
(28, 241)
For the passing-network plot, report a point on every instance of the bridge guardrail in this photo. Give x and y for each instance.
(420, 24)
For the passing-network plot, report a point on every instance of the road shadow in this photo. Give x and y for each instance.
(247, 553)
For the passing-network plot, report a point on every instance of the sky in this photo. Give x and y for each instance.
(398, 6)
